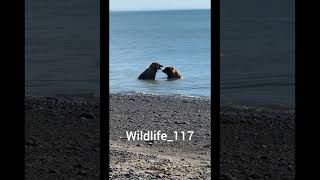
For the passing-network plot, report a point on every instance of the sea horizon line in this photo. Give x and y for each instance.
(148, 10)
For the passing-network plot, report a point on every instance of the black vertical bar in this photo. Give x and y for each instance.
(306, 91)
(215, 87)
(12, 94)
(21, 81)
(104, 89)
(298, 101)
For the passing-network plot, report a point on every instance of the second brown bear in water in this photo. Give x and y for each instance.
(172, 73)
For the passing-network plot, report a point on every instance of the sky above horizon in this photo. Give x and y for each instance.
(133, 5)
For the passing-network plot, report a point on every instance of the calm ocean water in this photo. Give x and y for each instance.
(62, 47)
(257, 52)
(178, 38)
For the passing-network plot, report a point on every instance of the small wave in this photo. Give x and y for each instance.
(160, 94)
(257, 106)
(257, 85)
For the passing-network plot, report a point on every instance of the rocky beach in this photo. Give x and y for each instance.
(181, 159)
(63, 135)
(62, 138)
(257, 142)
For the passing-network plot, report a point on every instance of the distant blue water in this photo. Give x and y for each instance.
(177, 38)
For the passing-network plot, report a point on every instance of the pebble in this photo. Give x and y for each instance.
(53, 172)
(82, 173)
(87, 116)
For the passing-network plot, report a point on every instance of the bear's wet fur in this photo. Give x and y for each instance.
(150, 72)
(172, 72)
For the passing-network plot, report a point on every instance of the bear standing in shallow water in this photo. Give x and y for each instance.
(172, 72)
(150, 72)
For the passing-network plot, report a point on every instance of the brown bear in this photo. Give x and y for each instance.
(150, 72)
(172, 72)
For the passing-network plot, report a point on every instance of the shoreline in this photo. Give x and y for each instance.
(129, 93)
(223, 103)
(243, 143)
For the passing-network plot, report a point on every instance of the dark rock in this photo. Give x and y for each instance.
(53, 172)
(264, 157)
(226, 177)
(87, 116)
(207, 146)
(78, 166)
(178, 122)
(82, 173)
(254, 176)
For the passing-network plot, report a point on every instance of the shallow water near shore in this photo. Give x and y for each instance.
(62, 45)
(258, 52)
